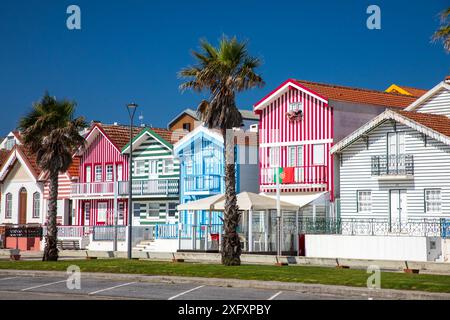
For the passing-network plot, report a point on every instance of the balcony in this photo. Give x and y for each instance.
(302, 176)
(151, 188)
(202, 184)
(393, 166)
(92, 189)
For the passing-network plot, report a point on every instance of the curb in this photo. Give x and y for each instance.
(361, 293)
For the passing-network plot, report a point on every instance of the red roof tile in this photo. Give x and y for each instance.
(74, 169)
(438, 123)
(414, 91)
(358, 95)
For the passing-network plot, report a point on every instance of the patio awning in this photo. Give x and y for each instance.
(300, 200)
(253, 201)
(202, 204)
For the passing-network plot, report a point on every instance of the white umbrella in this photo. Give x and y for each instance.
(252, 201)
(202, 204)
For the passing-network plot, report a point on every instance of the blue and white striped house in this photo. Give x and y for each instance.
(202, 170)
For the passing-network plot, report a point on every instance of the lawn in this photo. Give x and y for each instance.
(302, 274)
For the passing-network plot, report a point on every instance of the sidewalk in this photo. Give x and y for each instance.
(361, 293)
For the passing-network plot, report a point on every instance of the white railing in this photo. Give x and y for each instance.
(93, 188)
(71, 231)
(166, 231)
(151, 187)
(316, 174)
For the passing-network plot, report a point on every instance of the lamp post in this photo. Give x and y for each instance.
(131, 111)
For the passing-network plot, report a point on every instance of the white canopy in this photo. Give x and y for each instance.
(202, 204)
(253, 201)
(300, 200)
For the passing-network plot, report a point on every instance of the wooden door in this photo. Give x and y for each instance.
(23, 206)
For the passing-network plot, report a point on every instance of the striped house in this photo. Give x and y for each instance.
(103, 173)
(395, 169)
(299, 122)
(155, 177)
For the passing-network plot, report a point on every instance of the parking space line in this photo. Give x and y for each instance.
(2, 279)
(183, 293)
(275, 295)
(111, 288)
(43, 285)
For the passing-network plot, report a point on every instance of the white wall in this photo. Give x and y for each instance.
(431, 170)
(367, 247)
(19, 178)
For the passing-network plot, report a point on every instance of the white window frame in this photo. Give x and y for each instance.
(149, 209)
(119, 172)
(139, 167)
(98, 172)
(36, 205)
(433, 200)
(189, 165)
(168, 166)
(319, 150)
(8, 205)
(104, 215)
(109, 172)
(169, 210)
(364, 201)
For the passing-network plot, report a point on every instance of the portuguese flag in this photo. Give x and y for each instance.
(286, 175)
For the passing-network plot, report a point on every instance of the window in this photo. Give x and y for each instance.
(168, 166)
(364, 201)
(153, 168)
(36, 204)
(318, 154)
(10, 143)
(274, 157)
(88, 174)
(295, 106)
(291, 156)
(119, 172)
(101, 211)
(8, 206)
(172, 209)
(109, 172)
(187, 126)
(153, 210)
(433, 200)
(121, 210)
(136, 210)
(139, 167)
(98, 173)
(188, 165)
(396, 143)
(87, 213)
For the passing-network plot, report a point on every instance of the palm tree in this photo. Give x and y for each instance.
(443, 33)
(223, 72)
(52, 134)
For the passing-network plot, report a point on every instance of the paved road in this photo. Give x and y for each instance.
(43, 288)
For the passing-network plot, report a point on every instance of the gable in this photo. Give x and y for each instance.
(151, 147)
(439, 103)
(18, 173)
(199, 133)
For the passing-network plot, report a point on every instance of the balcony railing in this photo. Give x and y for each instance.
(401, 164)
(309, 175)
(154, 187)
(92, 188)
(202, 183)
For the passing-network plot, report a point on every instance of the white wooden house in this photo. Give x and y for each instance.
(395, 170)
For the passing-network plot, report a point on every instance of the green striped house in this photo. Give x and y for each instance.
(156, 176)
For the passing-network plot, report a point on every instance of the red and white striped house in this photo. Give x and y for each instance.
(103, 172)
(299, 122)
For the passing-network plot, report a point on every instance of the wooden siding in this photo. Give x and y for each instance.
(153, 150)
(431, 170)
(64, 187)
(315, 127)
(438, 104)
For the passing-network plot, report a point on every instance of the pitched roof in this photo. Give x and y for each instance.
(74, 169)
(359, 95)
(409, 91)
(4, 155)
(433, 125)
(246, 115)
(438, 123)
(29, 157)
(118, 134)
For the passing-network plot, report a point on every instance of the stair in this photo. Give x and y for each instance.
(144, 245)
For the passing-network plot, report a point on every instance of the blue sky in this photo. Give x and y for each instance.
(131, 50)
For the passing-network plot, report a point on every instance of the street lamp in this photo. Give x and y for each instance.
(131, 111)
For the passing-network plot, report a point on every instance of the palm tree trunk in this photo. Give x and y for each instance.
(231, 245)
(51, 249)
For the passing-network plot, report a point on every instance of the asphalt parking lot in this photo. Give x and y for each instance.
(40, 288)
